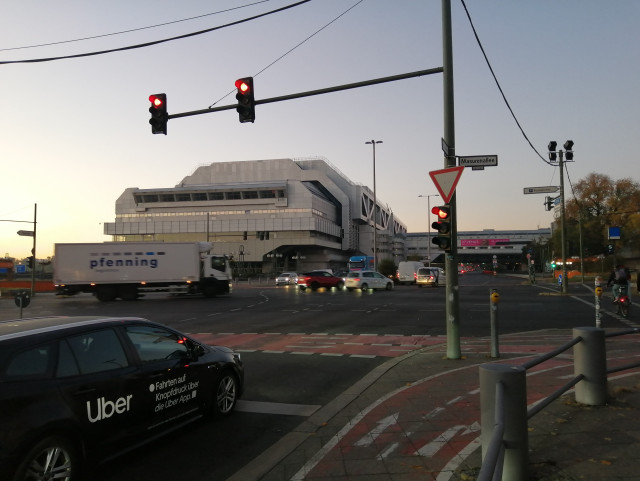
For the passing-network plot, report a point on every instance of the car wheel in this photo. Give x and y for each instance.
(51, 458)
(364, 287)
(226, 394)
(314, 286)
(340, 285)
(390, 286)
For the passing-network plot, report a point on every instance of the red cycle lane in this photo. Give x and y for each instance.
(428, 427)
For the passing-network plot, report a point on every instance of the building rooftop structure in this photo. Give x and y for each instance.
(279, 214)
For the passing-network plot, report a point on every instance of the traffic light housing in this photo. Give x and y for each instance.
(568, 150)
(246, 101)
(30, 262)
(443, 227)
(553, 145)
(159, 115)
(548, 203)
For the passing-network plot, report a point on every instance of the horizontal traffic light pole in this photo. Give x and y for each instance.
(311, 93)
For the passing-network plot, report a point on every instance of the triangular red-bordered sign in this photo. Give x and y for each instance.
(446, 181)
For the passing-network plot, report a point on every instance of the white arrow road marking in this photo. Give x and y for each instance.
(434, 446)
(371, 436)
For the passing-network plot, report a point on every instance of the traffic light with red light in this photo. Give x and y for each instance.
(246, 101)
(159, 115)
(443, 227)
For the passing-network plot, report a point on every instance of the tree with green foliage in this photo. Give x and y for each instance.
(598, 203)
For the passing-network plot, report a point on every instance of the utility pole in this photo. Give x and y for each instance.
(449, 139)
(563, 224)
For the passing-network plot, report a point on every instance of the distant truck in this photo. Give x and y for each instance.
(125, 270)
(408, 271)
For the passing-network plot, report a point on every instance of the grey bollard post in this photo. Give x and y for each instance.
(590, 360)
(494, 298)
(516, 435)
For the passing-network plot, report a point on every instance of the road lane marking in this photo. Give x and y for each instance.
(260, 407)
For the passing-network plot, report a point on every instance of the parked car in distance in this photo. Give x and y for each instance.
(317, 279)
(365, 280)
(428, 276)
(86, 388)
(287, 278)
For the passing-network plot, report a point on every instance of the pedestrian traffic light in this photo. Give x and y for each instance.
(246, 101)
(443, 226)
(568, 150)
(552, 150)
(158, 111)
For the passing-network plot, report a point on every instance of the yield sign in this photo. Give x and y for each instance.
(446, 181)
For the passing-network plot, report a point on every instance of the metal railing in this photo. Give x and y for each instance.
(503, 399)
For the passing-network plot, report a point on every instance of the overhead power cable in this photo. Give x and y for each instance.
(155, 42)
(293, 48)
(133, 29)
(498, 84)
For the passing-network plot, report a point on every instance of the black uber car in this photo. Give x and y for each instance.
(76, 388)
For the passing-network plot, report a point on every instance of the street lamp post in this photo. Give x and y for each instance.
(375, 206)
(428, 196)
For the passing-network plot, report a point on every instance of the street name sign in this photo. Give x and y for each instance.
(28, 233)
(446, 181)
(478, 162)
(549, 189)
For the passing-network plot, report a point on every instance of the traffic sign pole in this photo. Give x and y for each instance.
(452, 302)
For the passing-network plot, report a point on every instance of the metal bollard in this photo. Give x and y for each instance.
(516, 434)
(590, 360)
(494, 298)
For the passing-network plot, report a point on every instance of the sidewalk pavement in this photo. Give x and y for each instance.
(417, 417)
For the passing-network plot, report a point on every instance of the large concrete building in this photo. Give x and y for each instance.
(270, 215)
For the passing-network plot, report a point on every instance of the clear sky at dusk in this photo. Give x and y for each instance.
(74, 133)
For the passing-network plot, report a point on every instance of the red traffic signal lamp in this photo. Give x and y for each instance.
(159, 115)
(246, 101)
(443, 227)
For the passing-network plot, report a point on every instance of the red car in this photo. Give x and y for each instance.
(316, 279)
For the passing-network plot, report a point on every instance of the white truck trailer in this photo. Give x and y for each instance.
(125, 270)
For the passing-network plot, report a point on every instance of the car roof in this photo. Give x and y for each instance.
(38, 325)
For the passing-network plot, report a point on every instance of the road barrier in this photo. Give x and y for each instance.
(503, 400)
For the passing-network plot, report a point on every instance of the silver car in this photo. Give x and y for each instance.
(287, 278)
(365, 280)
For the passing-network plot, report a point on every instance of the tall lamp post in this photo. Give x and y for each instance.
(375, 206)
(428, 196)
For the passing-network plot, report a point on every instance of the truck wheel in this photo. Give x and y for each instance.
(209, 290)
(128, 293)
(106, 293)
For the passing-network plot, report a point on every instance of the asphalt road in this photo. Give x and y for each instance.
(302, 349)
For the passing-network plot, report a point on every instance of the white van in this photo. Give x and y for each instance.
(408, 272)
